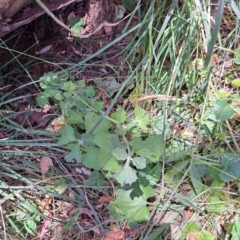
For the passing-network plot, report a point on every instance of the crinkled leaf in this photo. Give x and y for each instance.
(126, 175)
(67, 135)
(119, 115)
(222, 110)
(139, 162)
(119, 154)
(75, 154)
(141, 118)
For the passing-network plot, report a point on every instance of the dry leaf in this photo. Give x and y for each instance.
(56, 124)
(46, 108)
(44, 204)
(105, 199)
(70, 15)
(214, 58)
(44, 50)
(45, 163)
(116, 234)
(107, 29)
(29, 117)
(76, 51)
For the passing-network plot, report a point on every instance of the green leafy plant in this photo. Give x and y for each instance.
(100, 143)
(25, 218)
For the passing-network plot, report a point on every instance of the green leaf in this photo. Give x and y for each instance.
(74, 117)
(97, 105)
(60, 186)
(231, 162)
(204, 235)
(222, 110)
(236, 230)
(141, 118)
(217, 183)
(116, 212)
(215, 205)
(30, 226)
(139, 162)
(129, 4)
(114, 140)
(90, 91)
(90, 158)
(69, 86)
(67, 135)
(119, 154)
(152, 174)
(107, 161)
(51, 92)
(92, 118)
(159, 126)
(196, 179)
(212, 173)
(74, 154)
(178, 156)
(76, 25)
(236, 82)
(119, 115)
(67, 94)
(191, 226)
(42, 100)
(126, 175)
(150, 148)
(237, 56)
(101, 140)
(111, 164)
(48, 79)
(58, 96)
(124, 207)
(96, 179)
